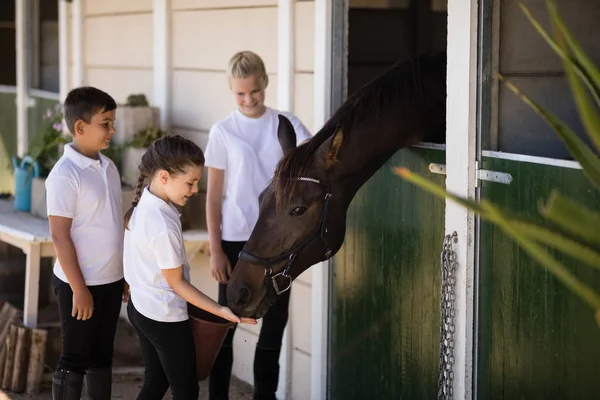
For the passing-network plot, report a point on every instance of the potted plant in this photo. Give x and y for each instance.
(135, 149)
(46, 149)
(133, 116)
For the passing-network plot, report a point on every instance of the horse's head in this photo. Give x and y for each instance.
(299, 225)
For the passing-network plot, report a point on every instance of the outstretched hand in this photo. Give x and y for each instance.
(230, 316)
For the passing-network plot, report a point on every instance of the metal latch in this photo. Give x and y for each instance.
(481, 174)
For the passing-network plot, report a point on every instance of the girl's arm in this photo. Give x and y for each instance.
(194, 296)
(220, 266)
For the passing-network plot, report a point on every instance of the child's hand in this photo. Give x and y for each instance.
(83, 305)
(220, 266)
(230, 316)
(125, 291)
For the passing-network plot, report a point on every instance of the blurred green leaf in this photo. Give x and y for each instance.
(493, 214)
(560, 242)
(586, 64)
(573, 217)
(581, 152)
(579, 69)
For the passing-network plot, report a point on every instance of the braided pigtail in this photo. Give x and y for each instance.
(138, 193)
(171, 153)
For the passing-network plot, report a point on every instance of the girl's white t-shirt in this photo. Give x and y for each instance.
(248, 150)
(153, 242)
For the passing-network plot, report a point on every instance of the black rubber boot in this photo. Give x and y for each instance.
(66, 385)
(266, 373)
(99, 383)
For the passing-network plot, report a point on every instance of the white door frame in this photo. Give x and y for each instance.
(461, 139)
(319, 360)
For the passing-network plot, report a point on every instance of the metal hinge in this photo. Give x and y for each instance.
(481, 174)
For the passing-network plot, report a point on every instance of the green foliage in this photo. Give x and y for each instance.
(145, 137)
(45, 148)
(574, 229)
(136, 100)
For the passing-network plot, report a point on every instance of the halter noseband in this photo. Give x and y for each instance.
(273, 288)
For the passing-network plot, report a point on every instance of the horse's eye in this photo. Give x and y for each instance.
(298, 211)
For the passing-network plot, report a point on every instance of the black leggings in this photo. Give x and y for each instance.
(90, 343)
(266, 359)
(169, 357)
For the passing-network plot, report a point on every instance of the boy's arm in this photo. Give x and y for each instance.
(61, 199)
(60, 231)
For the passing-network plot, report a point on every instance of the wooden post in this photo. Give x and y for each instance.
(2, 359)
(19, 375)
(36, 360)
(11, 341)
(32, 285)
(7, 315)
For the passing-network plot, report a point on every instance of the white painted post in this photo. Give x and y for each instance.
(77, 32)
(285, 55)
(162, 61)
(63, 49)
(285, 102)
(22, 99)
(460, 168)
(320, 272)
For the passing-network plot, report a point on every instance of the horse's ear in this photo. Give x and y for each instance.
(286, 134)
(335, 144)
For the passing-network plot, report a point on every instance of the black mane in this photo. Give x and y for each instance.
(420, 80)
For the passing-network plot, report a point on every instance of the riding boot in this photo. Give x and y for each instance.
(66, 385)
(99, 383)
(220, 375)
(266, 373)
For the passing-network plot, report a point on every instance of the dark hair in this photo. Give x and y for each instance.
(174, 154)
(83, 103)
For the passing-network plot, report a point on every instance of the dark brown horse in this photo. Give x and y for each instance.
(302, 218)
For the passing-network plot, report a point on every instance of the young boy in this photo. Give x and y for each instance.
(86, 223)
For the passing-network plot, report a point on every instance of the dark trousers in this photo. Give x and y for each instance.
(169, 357)
(88, 344)
(268, 348)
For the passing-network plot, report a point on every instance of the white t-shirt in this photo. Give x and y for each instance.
(89, 192)
(153, 242)
(248, 150)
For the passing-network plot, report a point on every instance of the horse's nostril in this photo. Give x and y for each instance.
(243, 297)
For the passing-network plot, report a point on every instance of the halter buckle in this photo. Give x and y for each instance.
(276, 286)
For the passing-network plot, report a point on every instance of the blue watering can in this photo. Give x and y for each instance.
(23, 177)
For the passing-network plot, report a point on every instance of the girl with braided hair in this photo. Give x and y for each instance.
(158, 274)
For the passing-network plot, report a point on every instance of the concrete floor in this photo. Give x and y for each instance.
(127, 386)
(127, 364)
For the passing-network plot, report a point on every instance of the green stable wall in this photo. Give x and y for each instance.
(537, 339)
(386, 287)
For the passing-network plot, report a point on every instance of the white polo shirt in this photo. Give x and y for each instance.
(248, 150)
(153, 242)
(89, 192)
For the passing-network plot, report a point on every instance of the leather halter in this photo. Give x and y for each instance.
(273, 288)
